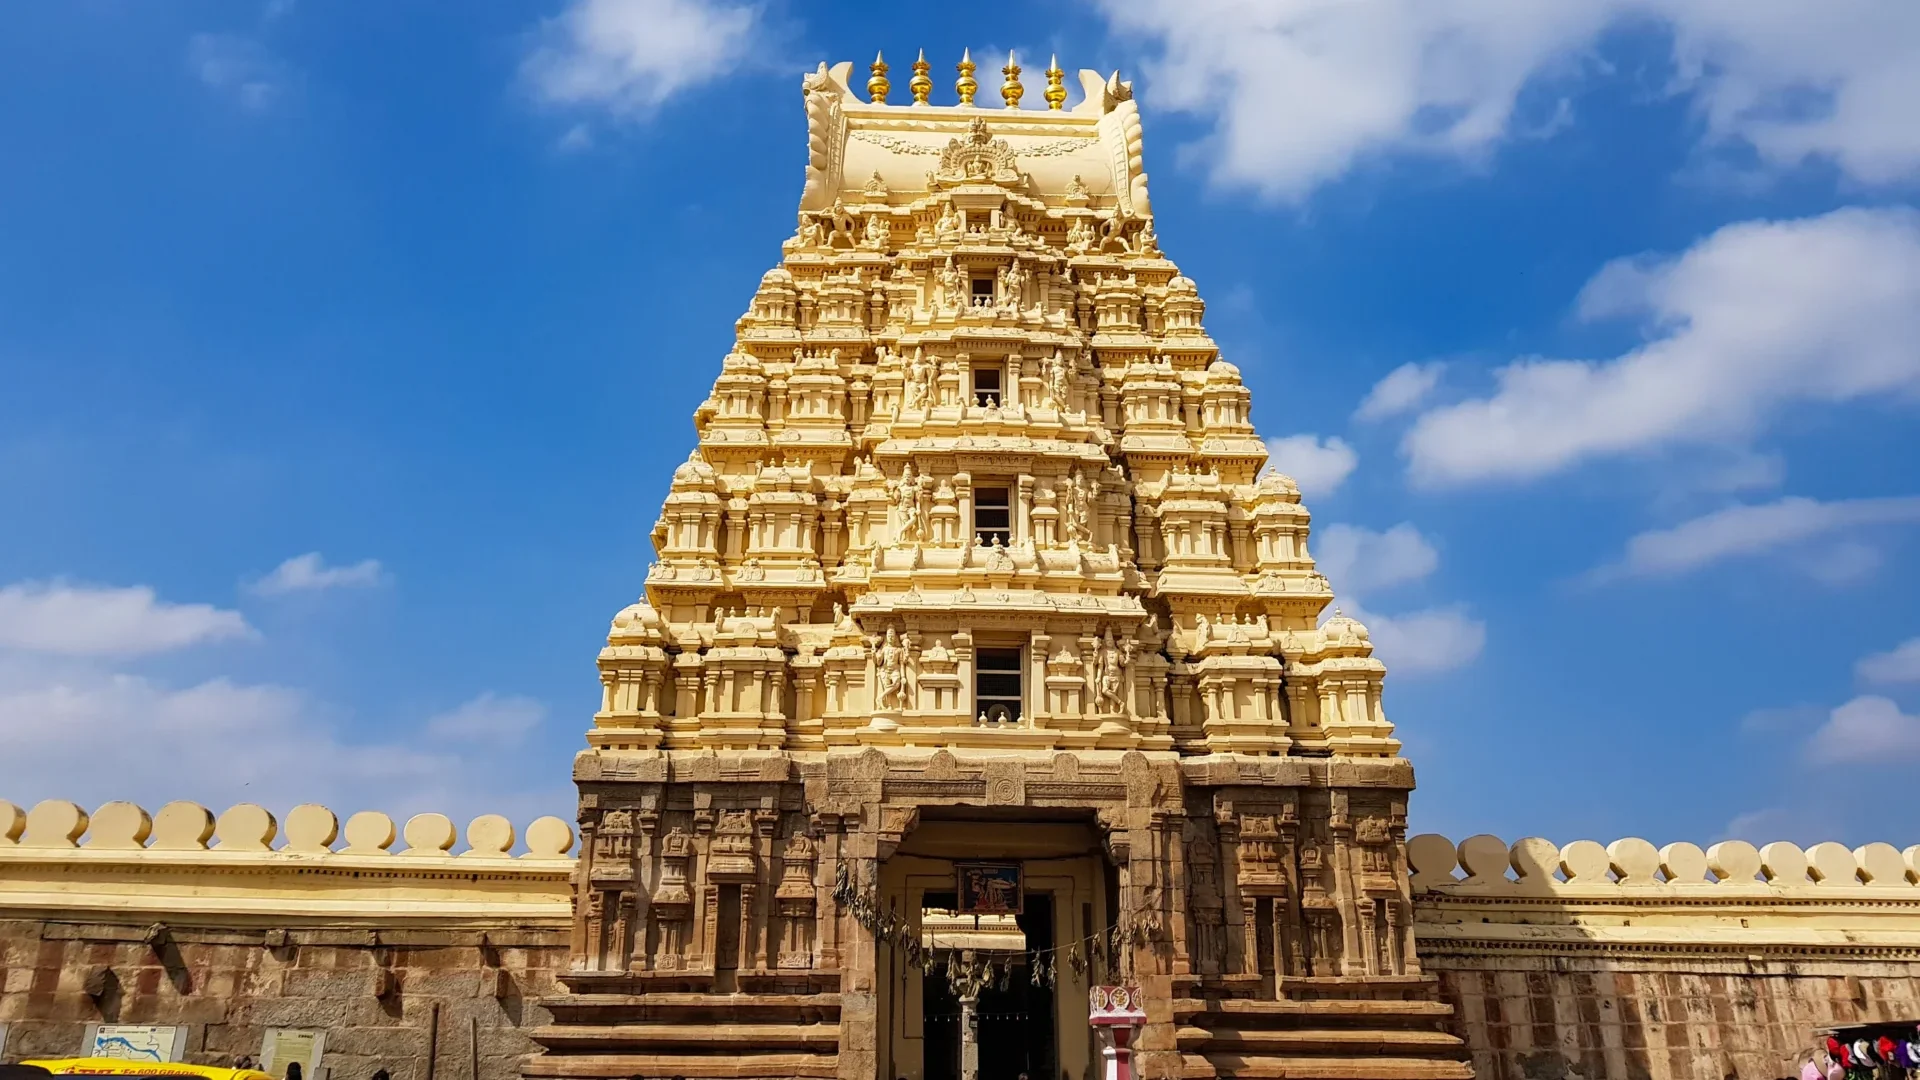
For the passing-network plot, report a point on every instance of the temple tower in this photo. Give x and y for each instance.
(972, 602)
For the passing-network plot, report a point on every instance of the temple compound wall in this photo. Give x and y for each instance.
(1557, 961)
(428, 964)
(1631, 961)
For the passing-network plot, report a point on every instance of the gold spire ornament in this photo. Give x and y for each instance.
(965, 84)
(1011, 90)
(1056, 84)
(922, 83)
(877, 85)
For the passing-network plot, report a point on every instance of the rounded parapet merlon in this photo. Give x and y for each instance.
(1486, 864)
(310, 830)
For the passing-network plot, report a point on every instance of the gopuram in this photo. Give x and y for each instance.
(982, 663)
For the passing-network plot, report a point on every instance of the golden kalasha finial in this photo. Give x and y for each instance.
(966, 86)
(922, 83)
(877, 85)
(1056, 85)
(1011, 90)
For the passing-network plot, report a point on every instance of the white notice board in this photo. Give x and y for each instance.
(281, 1047)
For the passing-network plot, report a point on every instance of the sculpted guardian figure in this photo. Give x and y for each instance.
(953, 286)
(1111, 675)
(906, 503)
(840, 223)
(890, 672)
(919, 380)
(1058, 386)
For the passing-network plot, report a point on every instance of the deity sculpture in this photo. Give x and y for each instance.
(1014, 286)
(840, 224)
(879, 232)
(950, 225)
(953, 285)
(1079, 507)
(919, 380)
(890, 673)
(906, 502)
(1079, 236)
(1110, 675)
(809, 235)
(1058, 386)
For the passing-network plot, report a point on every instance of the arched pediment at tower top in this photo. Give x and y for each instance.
(974, 475)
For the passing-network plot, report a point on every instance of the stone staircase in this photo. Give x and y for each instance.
(1387, 1028)
(616, 1036)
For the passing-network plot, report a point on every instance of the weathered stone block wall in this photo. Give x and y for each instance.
(428, 960)
(1674, 963)
(422, 1004)
(1687, 1018)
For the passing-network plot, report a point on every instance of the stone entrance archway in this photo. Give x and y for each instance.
(1071, 887)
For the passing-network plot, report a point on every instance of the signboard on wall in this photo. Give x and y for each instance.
(989, 888)
(134, 1042)
(281, 1047)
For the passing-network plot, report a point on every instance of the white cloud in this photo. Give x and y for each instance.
(1756, 317)
(1843, 563)
(488, 718)
(579, 137)
(240, 67)
(1359, 560)
(91, 736)
(1318, 467)
(1425, 641)
(73, 726)
(629, 56)
(1783, 718)
(1901, 665)
(1736, 470)
(1403, 389)
(1751, 530)
(76, 731)
(89, 620)
(1300, 91)
(310, 573)
(1869, 730)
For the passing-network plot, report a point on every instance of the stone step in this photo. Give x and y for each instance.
(688, 1008)
(732, 1065)
(1320, 1041)
(728, 1036)
(1212, 1066)
(1250, 1012)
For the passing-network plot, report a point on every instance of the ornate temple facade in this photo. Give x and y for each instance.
(974, 564)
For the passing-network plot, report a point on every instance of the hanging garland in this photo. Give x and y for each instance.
(966, 979)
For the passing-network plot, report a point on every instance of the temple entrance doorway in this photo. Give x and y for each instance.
(1013, 1015)
(1066, 896)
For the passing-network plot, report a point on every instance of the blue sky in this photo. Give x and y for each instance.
(345, 351)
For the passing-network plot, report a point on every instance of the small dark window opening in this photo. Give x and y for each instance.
(992, 515)
(983, 292)
(986, 386)
(996, 685)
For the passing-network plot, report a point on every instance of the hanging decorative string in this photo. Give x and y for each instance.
(1043, 965)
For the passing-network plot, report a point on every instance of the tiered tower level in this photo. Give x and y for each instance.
(977, 533)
